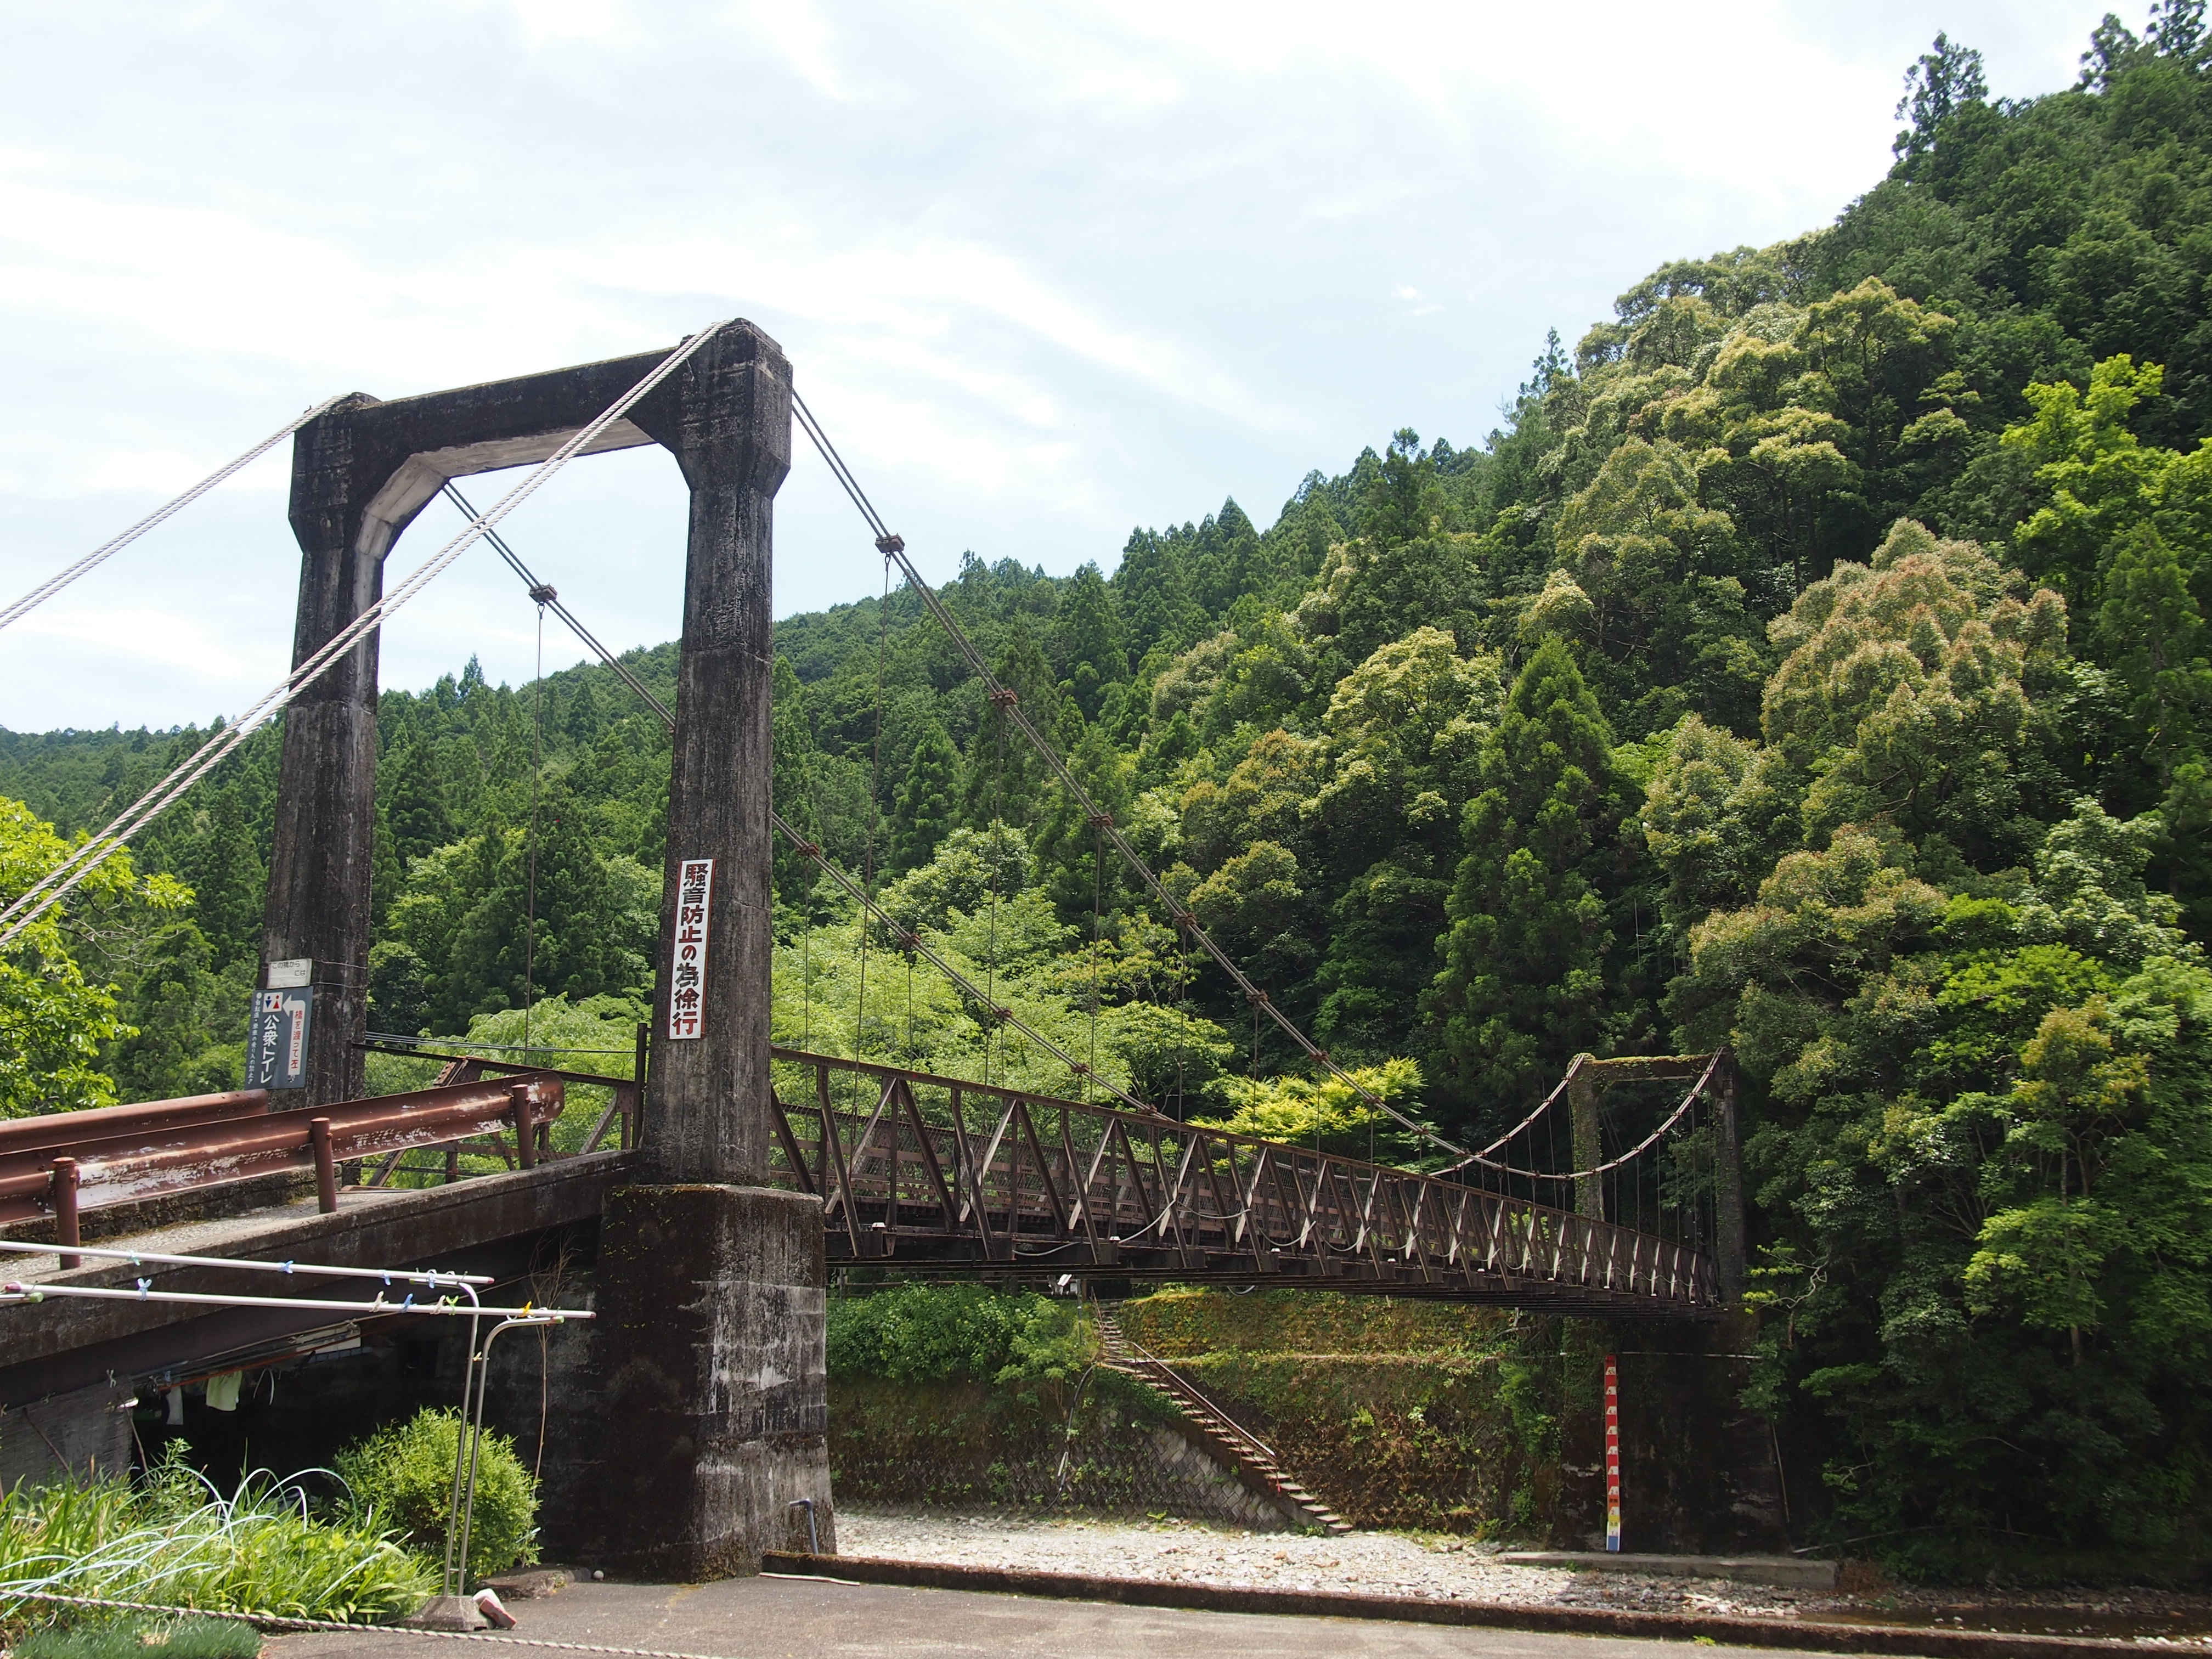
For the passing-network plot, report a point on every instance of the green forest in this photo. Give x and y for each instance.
(1814, 661)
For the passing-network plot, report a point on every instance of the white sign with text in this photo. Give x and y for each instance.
(687, 981)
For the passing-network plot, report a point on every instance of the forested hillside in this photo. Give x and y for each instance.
(1814, 662)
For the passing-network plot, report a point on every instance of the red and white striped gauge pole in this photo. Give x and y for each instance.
(1611, 1453)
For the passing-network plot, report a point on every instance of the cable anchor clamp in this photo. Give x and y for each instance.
(1102, 820)
(888, 545)
(544, 593)
(1005, 698)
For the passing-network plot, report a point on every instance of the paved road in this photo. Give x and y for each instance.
(802, 1619)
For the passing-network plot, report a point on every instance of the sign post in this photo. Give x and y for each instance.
(1611, 1453)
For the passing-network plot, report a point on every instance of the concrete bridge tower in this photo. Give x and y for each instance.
(710, 1285)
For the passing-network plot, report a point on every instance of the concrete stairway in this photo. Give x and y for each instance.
(1214, 1429)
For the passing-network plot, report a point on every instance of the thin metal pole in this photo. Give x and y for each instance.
(135, 1258)
(476, 1435)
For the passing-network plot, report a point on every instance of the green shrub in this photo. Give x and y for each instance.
(194, 1636)
(944, 1332)
(402, 1476)
(176, 1541)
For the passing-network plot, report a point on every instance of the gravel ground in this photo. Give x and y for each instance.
(1369, 1563)
(1439, 1568)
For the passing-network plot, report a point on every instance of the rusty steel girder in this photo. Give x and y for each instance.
(59, 1131)
(998, 1179)
(73, 1162)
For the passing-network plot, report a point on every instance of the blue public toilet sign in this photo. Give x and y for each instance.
(276, 1040)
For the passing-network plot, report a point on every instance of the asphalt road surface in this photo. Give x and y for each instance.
(768, 1618)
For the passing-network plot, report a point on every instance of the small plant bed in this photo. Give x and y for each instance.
(175, 1540)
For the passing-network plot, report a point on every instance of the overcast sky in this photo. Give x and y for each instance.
(1046, 271)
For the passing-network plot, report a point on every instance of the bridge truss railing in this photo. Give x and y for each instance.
(938, 1172)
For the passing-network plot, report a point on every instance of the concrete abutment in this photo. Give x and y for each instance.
(714, 1407)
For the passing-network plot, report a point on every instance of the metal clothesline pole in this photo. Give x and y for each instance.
(17, 1293)
(475, 1376)
(307, 1269)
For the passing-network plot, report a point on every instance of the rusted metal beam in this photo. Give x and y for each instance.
(1196, 1202)
(56, 1131)
(126, 1165)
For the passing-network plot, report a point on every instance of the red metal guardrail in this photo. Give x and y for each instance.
(64, 1163)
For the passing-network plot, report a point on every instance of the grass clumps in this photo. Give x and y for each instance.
(174, 1539)
(402, 1476)
(195, 1636)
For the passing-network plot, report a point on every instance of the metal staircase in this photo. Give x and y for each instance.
(1212, 1429)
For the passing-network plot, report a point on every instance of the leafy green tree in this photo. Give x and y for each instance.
(928, 799)
(2152, 630)
(228, 878)
(53, 1022)
(1087, 642)
(1400, 746)
(1328, 1114)
(186, 1023)
(1941, 80)
(1153, 588)
(1913, 680)
(1523, 983)
(421, 815)
(1006, 779)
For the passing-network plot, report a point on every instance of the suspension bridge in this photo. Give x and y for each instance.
(723, 1179)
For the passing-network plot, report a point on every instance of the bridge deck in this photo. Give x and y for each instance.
(942, 1174)
(929, 1175)
(482, 1225)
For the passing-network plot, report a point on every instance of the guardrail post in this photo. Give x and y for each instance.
(65, 1216)
(326, 1168)
(525, 1126)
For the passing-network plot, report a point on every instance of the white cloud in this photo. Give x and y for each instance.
(1049, 268)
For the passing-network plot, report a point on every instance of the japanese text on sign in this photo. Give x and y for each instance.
(277, 1041)
(687, 979)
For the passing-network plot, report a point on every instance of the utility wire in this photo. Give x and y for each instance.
(53, 585)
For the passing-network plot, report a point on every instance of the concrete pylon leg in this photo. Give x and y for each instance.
(716, 1389)
(716, 1413)
(1582, 1088)
(713, 1386)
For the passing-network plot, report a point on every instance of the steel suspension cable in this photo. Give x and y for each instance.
(894, 546)
(54, 584)
(49, 889)
(813, 853)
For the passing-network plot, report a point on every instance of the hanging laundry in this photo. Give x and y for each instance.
(176, 1399)
(222, 1391)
